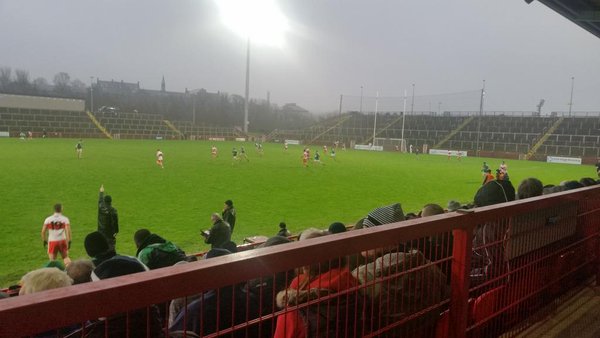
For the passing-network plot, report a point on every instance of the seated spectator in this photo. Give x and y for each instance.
(97, 247)
(486, 258)
(155, 251)
(384, 215)
(336, 228)
(55, 264)
(219, 235)
(262, 291)
(324, 319)
(453, 206)
(587, 181)
(402, 294)
(80, 271)
(213, 310)
(570, 185)
(530, 187)
(44, 279)
(283, 231)
(431, 210)
(144, 322)
(47, 279)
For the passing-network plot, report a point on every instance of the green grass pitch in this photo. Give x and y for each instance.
(176, 201)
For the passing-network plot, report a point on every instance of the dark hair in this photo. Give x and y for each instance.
(229, 203)
(107, 199)
(140, 236)
(282, 225)
(337, 227)
(530, 187)
(58, 207)
(587, 181)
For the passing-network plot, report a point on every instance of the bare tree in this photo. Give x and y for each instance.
(40, 83)
(61, 81)
(22, 79)
(5, 77)
(78, 85)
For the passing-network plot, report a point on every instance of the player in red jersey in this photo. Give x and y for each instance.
(59, 235)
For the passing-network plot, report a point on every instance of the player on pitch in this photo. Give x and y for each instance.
(59, 235)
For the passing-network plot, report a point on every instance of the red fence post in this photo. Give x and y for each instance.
(459, 283)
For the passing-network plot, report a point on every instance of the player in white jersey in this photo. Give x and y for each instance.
(503, 168)
(159, 158)
(59, 235)
(214, 152)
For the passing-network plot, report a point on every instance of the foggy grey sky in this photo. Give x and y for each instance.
(524, 52)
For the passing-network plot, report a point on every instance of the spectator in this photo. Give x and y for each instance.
(587, 181)
(318, 319)
(453, 206)
(96, 246)
(228, 214)
(108, 220)
(213, 310)
(55, 264)
(59, 234)
(431, 210)
(44, 279)
(530, 187)
(80, 271)
(395, 294)
(156, 252)
(336, 228)
(384, 215)
(144, 322)
(486, 260)
(570, 185)
(283, 231)
(219, 235)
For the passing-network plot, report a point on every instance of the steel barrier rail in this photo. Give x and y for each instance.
(28, 315)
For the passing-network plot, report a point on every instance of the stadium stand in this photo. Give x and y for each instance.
(135, 125)
(576, 137)
(55, 123)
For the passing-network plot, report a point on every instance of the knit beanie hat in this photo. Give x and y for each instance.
(384, 215)
(337, 227)
(95, 243)
(494, 192)
(118, 266)
(453, 206)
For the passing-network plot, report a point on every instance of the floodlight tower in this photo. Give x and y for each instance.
(259, 21)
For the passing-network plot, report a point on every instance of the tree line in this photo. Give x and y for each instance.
(218, 109)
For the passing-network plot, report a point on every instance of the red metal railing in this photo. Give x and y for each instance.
(480, 273)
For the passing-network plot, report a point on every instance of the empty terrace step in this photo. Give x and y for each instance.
(452, 133)
(98, 125)
(543, 139)
(339, 122)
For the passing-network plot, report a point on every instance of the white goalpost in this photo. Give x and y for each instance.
(391, 143)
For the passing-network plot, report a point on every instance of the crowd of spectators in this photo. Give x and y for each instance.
(212, 310)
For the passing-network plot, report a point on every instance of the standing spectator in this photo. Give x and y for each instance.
(228, 214)
(108, 220)
(59, 235)
(219, 235)
(283, 231)
(598, 168)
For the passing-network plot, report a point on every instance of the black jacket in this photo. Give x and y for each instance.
(108, 220)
